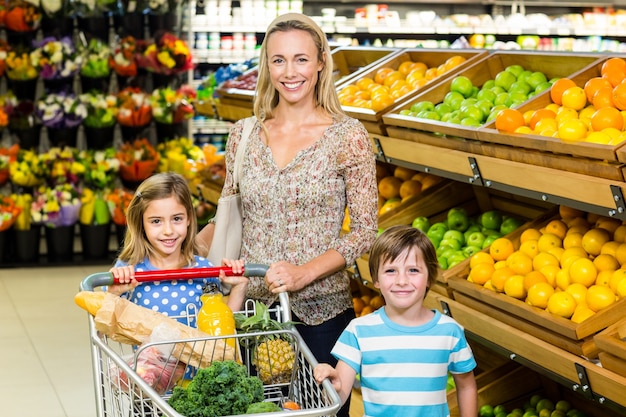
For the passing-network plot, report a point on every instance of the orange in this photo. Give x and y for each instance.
(594, 239)
(501, 248)
(414, 76)
(349, 89)
(574, 98)
(377, 302)
(604, 277)
(367, 310)
(410, 188)
(392, 77)
(381, 102)
(579, 292)
(562, 279)
(550, 271)
(558, 87)
(619, 234)
(404, 173)
(538, 115)
(406, 67)
(620, 254)
(454, 61)
(499, 277)
(608, 223)
(364, 82)
(557, 227)
(583, 271)
(539, 294)
(572, 253)
(607, 117)
(617, 278)
(543, 259)
(508, 120)
(603, 98)
(582, 313)
(521, 263)
(481, 273)
(514, 287)
(381, 74)
(614, 63)
(594, 84)
(605, 262)
(532, 278)
(389, 187)
(479, 258)
(389, 205)
(569, 212)
(614, 76)
(572, 130)
(610, 248)
(358, 304)
(529, 248)
(529, 234)
(363, 94)
(419, 67)
(548, 241)
(430, 73)
(619, 96)
(573, 240)
(562, 304)
(621, 289)
(600, 297)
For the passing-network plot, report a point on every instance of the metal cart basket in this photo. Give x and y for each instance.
(121, 391)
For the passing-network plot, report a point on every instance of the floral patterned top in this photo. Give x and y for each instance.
(295, 214)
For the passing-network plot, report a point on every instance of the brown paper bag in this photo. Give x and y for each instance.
(126, 322)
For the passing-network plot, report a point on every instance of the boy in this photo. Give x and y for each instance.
(404, 351)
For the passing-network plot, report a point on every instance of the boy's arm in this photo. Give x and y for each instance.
(466, 394)
(342, 377)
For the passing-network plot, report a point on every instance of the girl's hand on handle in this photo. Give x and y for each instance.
(126, 277)
(237, 265)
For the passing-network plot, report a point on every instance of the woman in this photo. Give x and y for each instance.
(305, 163)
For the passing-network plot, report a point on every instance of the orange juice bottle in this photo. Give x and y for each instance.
(215, 318)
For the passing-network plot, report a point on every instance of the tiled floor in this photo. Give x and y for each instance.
(45, 359)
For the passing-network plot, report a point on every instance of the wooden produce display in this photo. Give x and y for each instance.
(612, 345)
(351, 61)
(553, 65)
(433, 58)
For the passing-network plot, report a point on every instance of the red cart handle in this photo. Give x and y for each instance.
(100, 279)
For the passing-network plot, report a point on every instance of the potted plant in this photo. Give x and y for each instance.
(170, 108)
(21, 74)
(165, 58)
(61, 114)
(21, 20)
(100, 122)
(138, 160)
(9, 213)
(27, 170)
(134, 112)
(95, 71)
(57, 61)
(118, 200)
(26, 234)
(63, 165)
(123, 61)
(94, 223)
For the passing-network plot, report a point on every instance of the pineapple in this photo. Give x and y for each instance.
(273, 354)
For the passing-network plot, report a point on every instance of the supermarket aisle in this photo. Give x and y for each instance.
(45, 359)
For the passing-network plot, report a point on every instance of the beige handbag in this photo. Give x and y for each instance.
(226, 242)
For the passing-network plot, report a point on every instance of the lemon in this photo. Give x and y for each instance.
(539, 294)
(562, 304)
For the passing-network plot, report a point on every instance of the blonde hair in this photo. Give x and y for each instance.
(158, 187)
(266, 97)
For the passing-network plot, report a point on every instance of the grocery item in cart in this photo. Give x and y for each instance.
(129, 323)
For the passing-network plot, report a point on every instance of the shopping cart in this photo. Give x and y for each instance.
(121, 392)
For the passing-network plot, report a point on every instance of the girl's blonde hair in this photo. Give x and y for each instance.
(266, 97)
(395, 241)
(158, 187)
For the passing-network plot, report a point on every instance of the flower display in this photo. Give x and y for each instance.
(56, 58)
(134, 107)
(55, 206)
(172, 106)
(64, 166)
(101, 109)
(101, 168)
(18, 66)
(118, 201)
(181, 156)
(21, 113)
(9, 212)
(167, 55)
(6, 156)
(4, 53)
(95, 59)
(138, 160)
(24, 203)
(60, 110)
(122, 60)
(28, 169)
(94, 210)
(22, 16)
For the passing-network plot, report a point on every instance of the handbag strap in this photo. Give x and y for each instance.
(248, 124)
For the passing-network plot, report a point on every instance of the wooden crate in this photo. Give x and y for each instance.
(232, 112)
(612, 344)
(431, 57)
(237, 97)
(205, 108)
(552, 64)
(544, 144)
(351, 61)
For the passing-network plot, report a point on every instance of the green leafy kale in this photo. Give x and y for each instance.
(263, 407)
(222, 389)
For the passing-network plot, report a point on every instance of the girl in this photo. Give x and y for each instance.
(161, 235)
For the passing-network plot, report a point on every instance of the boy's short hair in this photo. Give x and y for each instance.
(397, 239)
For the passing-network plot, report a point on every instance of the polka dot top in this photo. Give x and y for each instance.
(179, 299)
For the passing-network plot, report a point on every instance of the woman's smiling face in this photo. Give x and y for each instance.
(293, 65)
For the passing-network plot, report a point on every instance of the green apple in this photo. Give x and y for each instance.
(445, 252)
(473, 112)
(489, 84)
(463, 85)
(486, 94)
(524, 75)
(536, 78)
(456, 258)
(542, 87)
(458, 219)
(488, 241)
(515, 69)
(501, 99)
(443, 263)
(422, 106)
(421, 223)
(471, 122)
(450, 243)
(505, 79)
(509, 224)
(453, 99)
(443, 109)
(521, 86)
(471, 250)
(491, 219)
(454, 234)
(473, 227)
(439, 226)
(475, 239)
(380, 231)
(485, 411)
(499, 409)
(406, 112)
